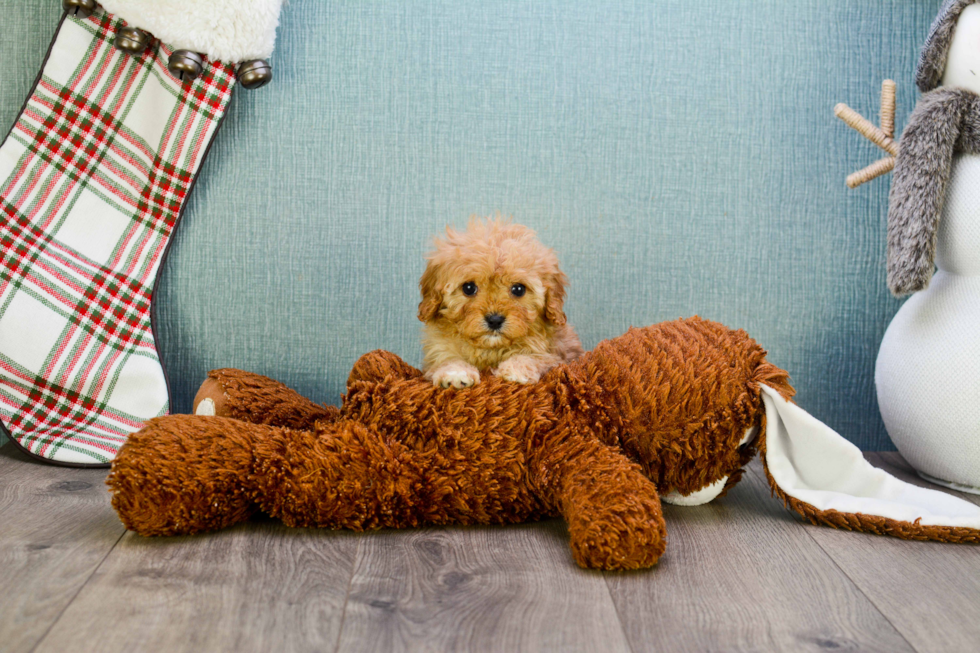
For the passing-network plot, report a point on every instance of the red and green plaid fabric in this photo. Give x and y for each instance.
(93, 177)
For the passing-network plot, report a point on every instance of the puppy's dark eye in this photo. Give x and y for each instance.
(518, 290)
(469, 288)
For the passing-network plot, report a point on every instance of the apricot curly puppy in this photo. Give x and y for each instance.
(492, 298)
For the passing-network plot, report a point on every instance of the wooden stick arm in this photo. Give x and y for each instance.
(883, 136)
(873, 171)
(863, 126)
(888, 92)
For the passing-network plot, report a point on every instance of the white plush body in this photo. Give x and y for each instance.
(928, 370)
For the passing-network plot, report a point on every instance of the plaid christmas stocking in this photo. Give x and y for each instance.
(93, 178)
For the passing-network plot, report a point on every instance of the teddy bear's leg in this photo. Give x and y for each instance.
(613, 511)
(185, 474)
(258, 399)
(345, 475)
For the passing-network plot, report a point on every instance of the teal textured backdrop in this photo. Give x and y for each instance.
(681, 157)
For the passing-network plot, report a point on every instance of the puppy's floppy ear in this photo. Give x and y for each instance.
(554, 298)
(431, 295)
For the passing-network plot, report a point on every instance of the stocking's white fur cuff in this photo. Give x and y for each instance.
(226, 30)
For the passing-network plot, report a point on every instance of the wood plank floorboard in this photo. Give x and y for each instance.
(930, 591)
(255, 587)
(56, 527)
(512, 588)
(740, 574)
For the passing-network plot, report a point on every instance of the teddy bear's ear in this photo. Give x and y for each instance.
(431, 295)
(554, 298)
(826, 479)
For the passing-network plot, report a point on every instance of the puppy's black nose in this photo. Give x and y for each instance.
(494, 321)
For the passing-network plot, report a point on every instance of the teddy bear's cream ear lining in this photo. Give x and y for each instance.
(826, 479)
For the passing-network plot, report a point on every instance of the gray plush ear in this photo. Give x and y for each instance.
(922, 172)
(932, 61)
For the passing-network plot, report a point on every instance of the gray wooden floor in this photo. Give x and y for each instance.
(739, 574)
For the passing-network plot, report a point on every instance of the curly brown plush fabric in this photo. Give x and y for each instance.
(260, 400)
(660, 408)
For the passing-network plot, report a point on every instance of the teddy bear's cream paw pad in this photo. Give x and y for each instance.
(206, 407)
(519, 369)
(456, 375)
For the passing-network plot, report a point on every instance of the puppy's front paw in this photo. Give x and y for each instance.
(519, 369)
(457, 375)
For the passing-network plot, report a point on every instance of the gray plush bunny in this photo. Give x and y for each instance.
(945, 123)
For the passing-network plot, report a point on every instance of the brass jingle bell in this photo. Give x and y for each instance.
(254, 74)
(79, 8)
(185, 65)
(132, 40)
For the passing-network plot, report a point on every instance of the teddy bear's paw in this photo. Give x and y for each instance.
(519, 369)
(210, 399)
(630, 541)
(457, 375)
(206, 408)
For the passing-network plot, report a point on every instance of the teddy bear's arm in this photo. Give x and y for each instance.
(378, 365)
(612, 509)
(258, 399)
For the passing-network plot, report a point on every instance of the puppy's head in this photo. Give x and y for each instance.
(492, 285)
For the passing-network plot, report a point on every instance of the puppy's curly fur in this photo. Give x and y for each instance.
(492, 298)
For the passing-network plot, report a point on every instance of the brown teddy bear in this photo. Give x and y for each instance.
(668, 410)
